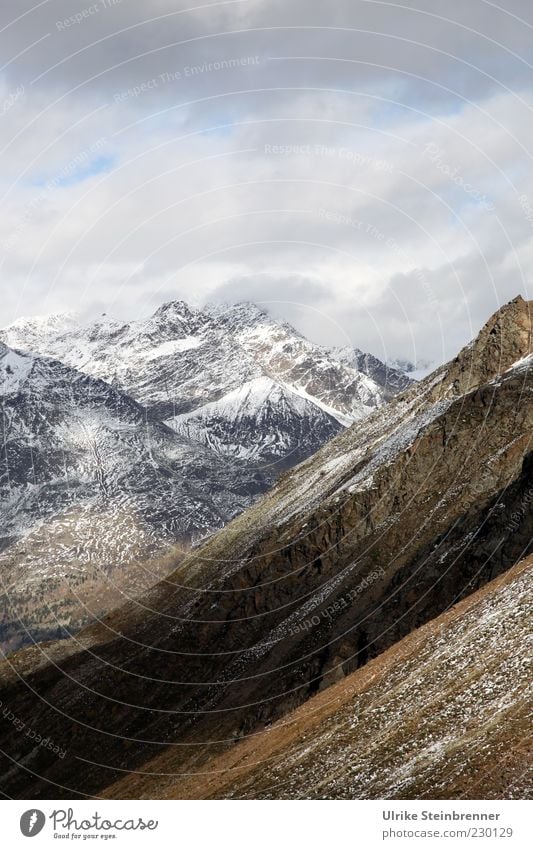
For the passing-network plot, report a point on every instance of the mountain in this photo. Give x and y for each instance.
(35, 335)
(394, 521)
(262, 422)
(89, 489)
(389, 378)
(182, 358)
(310, 370)
(172, 362)
(442, 714)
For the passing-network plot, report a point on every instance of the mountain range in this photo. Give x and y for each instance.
(335, 628)
(122, 441)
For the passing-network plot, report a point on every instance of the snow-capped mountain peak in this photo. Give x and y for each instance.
(182, 358)
(35, 333)
(262, 421)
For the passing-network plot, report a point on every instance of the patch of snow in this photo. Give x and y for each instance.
(342, 418)
(14, 369)
(173, 346)
(523, 364)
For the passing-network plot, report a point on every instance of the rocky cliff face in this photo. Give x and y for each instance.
(384, 528)
(505, 339)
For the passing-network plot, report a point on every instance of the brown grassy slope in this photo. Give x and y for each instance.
(445, 713)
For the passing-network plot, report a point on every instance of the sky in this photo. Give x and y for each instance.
(361, 168)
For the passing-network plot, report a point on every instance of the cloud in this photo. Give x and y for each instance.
(362, 167)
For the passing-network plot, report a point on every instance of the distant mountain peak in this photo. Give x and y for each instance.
(56, 320)
(179, 310)
(243, 314)
(40, 326)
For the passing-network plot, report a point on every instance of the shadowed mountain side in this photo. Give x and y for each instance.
(443, 714)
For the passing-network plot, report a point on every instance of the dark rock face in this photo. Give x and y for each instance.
(386, 527)
(506, 337)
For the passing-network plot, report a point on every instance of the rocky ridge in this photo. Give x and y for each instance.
(182, 358)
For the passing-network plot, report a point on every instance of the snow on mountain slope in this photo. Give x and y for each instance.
(36, 334)
(89, 486)
(287, 356)
(261, 421)
(14, 370)
(442, 714)
(173, 361)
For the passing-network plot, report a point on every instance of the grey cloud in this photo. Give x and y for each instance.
(126, 42)
(293, 297)
(357, 230)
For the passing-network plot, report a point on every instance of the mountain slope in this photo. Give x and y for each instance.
(89, 487)
(385, 527)
(442, 714)
(171, 362)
